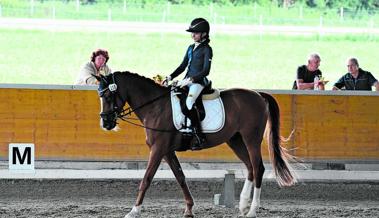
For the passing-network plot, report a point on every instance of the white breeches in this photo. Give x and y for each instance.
(194, 92)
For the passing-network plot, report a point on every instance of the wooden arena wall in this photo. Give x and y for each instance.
(63, 123)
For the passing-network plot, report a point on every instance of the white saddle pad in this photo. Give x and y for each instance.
(214, 114)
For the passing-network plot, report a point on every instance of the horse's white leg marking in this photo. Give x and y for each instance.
(245, 196)
(134, 213)
(255, 203)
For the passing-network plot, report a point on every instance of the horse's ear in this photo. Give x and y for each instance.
(97, 77)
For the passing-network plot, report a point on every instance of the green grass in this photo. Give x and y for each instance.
(267, 62)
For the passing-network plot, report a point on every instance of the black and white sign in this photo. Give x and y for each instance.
(21, 157)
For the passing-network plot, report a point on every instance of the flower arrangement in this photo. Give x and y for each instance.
(158, 79)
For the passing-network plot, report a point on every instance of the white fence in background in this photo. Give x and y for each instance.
(253, 14)
(152, 27)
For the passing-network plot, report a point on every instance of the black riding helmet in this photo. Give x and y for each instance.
(199, 25)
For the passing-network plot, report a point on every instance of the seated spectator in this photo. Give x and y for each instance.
(356, 78)
(306, 74)
(97, 65)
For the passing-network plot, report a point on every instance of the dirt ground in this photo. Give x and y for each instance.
(114, 198)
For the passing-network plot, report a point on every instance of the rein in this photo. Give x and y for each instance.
(128, 111)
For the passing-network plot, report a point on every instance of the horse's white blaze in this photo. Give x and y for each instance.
(134, 213)
(101, 105)
(245, 196)
(101, 111)
(116, 128)
(255, 203)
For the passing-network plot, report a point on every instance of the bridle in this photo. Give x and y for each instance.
(112, 115)
(124, 114)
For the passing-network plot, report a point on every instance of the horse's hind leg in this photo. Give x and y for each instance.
(237, 145)
(253, 145)
(173, 162)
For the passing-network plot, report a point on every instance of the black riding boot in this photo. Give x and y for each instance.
(200, 140)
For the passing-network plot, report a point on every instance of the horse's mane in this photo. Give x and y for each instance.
(146, 81)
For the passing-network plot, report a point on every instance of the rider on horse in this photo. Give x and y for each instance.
(198, 59)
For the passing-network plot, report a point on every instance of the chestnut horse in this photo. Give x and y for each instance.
(246, 115)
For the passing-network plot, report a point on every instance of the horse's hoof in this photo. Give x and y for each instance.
(251, 215)
(188, 215)
(129, 215)
(244, 206)
(134, 213)
(244, 211)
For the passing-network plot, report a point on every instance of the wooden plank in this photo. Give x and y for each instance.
(64, 125)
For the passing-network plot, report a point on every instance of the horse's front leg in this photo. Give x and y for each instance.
(152, 166)
(245, 197)
(173, 162)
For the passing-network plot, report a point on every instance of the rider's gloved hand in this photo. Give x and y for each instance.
(184, 82)
(165, 81)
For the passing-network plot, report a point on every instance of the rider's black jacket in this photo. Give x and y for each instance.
(198, 62)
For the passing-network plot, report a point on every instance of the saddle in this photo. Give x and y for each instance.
(207, 93)
(210, 109)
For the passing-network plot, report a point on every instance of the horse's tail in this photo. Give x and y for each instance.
(279, 156)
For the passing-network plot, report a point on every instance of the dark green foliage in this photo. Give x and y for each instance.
(354, 5)
(347, 4)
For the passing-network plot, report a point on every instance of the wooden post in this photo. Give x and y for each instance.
(109, 14)
(124, 9)
(53, 12)
(371, 28)
(31, 7)
(77, 5)
(164, 17)
(320, 27)
(260, 26)
(255, 9)
(168, 9)
(211, 9)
